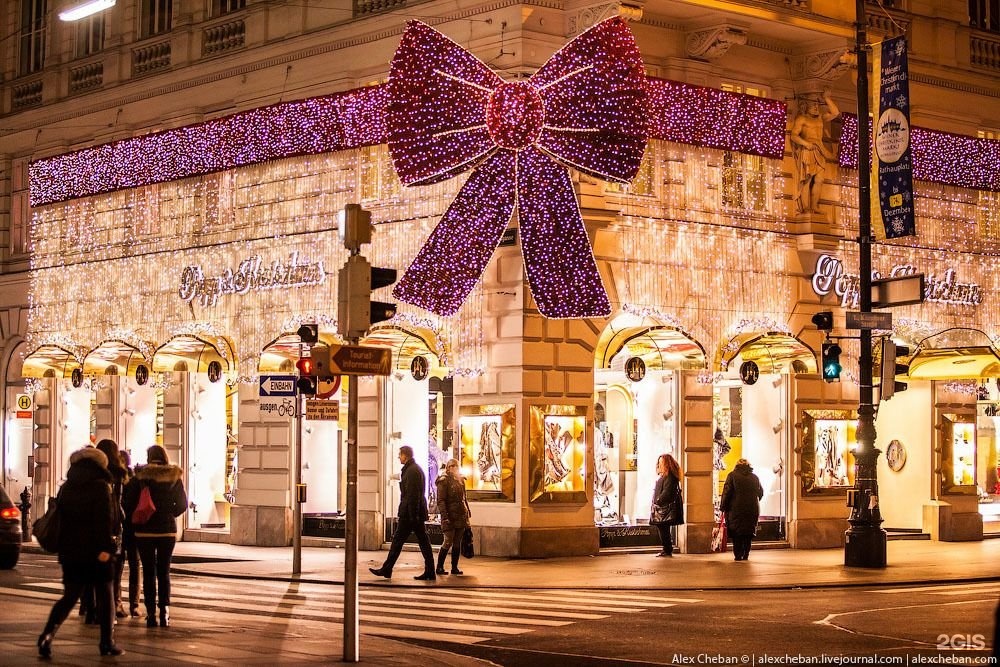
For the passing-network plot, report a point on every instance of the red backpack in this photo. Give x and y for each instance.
(145, 509)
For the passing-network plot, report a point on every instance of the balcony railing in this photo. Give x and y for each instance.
(984, 51)
(87, 76)
(363, 7)
(27, 94)
(150, 58)
(223, 37)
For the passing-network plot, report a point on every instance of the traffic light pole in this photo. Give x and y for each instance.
(865, 544)
(351, 652)
(297, 483)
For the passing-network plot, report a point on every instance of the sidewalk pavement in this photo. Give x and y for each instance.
(908, 562)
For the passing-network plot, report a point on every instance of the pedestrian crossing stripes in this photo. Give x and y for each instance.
(449, 615)
(979, 588)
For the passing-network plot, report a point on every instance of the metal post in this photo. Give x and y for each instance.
(351, 650)
(297, 483)
(865, 539)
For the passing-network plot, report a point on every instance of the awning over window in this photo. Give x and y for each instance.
(50, 361)
(658, 344)
(192, 353)
(113, 357)
(407, 344)
(966, 363)
(773, 352)
(280, 355)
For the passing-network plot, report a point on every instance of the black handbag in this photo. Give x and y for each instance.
(47, 527)
(468, 546)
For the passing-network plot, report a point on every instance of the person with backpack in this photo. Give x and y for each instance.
(86, 546)
(154, 498)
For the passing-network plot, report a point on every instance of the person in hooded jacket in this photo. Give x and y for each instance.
(156, 538)
(86, 546)
(454, 511)
(741, 496)
(119, 474)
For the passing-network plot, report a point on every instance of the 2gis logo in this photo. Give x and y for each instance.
(961, 642)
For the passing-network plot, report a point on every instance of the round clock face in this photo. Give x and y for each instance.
(895, 455)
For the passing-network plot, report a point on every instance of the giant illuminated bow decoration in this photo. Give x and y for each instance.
(585, 108)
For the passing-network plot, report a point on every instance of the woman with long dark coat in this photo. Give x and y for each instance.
(157, 537)
(454, 512)
(86, 546)
(119, 475)
(667, 509)
(741, 496)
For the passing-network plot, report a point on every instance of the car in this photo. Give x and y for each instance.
(10, 532)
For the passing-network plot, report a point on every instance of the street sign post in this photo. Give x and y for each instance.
(866, 320)
(360, 360)
(899, 291)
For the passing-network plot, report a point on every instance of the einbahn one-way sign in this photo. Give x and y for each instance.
(277, 385)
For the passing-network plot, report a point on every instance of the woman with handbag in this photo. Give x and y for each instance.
(454, 510)
(667, 509)
(86, 546)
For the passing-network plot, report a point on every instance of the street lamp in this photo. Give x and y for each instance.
(81, 10)
(865, 540)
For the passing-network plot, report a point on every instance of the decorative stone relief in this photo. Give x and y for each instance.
(824, 65)
(590, 16)
(713, 43)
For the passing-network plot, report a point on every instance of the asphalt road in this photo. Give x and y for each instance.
(229, 621)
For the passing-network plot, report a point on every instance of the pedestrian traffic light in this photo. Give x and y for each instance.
(306, 383)
(831, 362)
(356, 312)
(891, 368)
(823, 320)
(308, 333)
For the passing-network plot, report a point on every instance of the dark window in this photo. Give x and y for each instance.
(985, 14)
(220, 7)
(89, 35)
(32, 35)
(157, 17)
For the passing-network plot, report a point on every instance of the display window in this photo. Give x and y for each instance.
(988, 455)
(829, 438)
(558, 453)
(487, 445)
(958, 454)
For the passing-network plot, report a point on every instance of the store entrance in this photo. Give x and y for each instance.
(637, 378)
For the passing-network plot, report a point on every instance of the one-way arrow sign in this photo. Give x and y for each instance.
(277, 385)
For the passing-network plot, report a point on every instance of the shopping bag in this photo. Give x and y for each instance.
(46, 528)
(468, 547)
(145, 509)
(720, 535)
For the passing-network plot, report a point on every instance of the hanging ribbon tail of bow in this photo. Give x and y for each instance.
(455, 255)
(558, 259)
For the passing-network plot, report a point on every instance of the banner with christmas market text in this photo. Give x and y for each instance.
(892, 164)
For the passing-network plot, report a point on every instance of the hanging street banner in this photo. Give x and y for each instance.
(892, 163)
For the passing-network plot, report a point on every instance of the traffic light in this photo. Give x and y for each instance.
(308, 333)
(823, 320)
(356, 312)
(355, 227)
(306, 383)
(891, 368)
(320, 357)
(831, 362)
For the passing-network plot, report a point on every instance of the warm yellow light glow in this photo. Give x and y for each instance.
(82, 10)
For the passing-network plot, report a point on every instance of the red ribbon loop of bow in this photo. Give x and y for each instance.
(448, 112)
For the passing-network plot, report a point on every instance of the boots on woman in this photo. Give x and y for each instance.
(441, 557)
(455, 555)
(45, 641)
(150, 616)
(164, 617)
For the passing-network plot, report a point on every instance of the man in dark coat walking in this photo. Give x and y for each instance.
(410, 518)
(741, 496)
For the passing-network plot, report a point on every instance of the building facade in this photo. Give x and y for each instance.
(172, 177)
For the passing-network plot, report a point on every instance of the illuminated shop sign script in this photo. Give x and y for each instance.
(830, 276)
(251, 275)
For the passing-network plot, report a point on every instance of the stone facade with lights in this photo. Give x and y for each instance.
(705, 258)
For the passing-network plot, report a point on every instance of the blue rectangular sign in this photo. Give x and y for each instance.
(277, 385)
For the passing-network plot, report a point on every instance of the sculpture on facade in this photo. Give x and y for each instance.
(810, 152)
